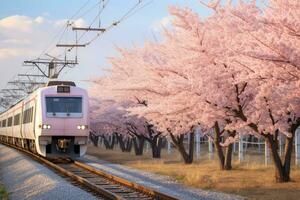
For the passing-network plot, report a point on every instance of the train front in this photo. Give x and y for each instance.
(62, 120)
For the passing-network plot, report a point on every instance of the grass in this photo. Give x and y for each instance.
(254, 181)
(3, 193)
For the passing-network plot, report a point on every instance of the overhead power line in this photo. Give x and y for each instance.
(47, 65)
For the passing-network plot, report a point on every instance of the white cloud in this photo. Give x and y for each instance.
(26, 36)
(11, 41)
(78, 23)
(16, 22)
(39, 20)
(6, 53)
(60, 22)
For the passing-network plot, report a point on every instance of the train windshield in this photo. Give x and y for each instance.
(64, 105)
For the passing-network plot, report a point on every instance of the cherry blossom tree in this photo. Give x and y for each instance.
(105, 122)
(209, 82)
(265, 42)
(235, 71)
(110, 117)
(169, 97)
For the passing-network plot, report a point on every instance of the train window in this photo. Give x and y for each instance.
(64, 104)
(17, 119)
(63, 89)
(28, 115)
(9, 122)
(4, 123)
(31, 114)
(24, 116)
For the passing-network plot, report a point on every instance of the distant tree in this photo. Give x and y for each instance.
(111, 120)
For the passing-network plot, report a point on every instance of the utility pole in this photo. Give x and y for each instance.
(50, 68)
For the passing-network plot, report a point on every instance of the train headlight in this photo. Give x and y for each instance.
(45, 126)
(82, 127)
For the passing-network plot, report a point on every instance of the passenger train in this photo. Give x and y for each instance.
(53, 121)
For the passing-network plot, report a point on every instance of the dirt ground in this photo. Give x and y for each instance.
(248, 179)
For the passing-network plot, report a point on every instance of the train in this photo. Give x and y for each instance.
(53, 121)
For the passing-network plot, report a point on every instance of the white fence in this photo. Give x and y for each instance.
(242, 144)
(241, 147)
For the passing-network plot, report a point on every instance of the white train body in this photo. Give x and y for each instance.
(53, 121)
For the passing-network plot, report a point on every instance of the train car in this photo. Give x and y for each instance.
(53, 121)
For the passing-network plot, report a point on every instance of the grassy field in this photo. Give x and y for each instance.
(3, 193)
(255, 181)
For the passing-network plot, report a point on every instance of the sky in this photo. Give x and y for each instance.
(28, 29)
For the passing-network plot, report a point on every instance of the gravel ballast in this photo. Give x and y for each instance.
(25, 178)
(157, 182)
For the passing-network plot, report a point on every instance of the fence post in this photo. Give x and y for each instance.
(246, 144)
(210, 149)
(267, 153)
(297, 146)
(241, 149)
(169, 147)
(234, 147)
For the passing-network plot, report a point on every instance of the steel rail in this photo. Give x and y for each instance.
(104, 184)
(155, 194)
(99, 190)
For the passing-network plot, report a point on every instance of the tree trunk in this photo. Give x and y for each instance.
(279, 170)
(138, 143)
(125, 143)
(191, 146)
(156, 145)
(217, 140)
(228, 153)
(288, 157)
(120, 140)
(94, 139)
(282, 171)
(110, 142)
(182, 151)
(128, 145)
(155, 141)
(178, 142)
(228, 157)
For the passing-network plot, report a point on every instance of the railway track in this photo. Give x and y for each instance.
(98, 182)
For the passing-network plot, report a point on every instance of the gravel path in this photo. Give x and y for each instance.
(157, 182)
(27, 179)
